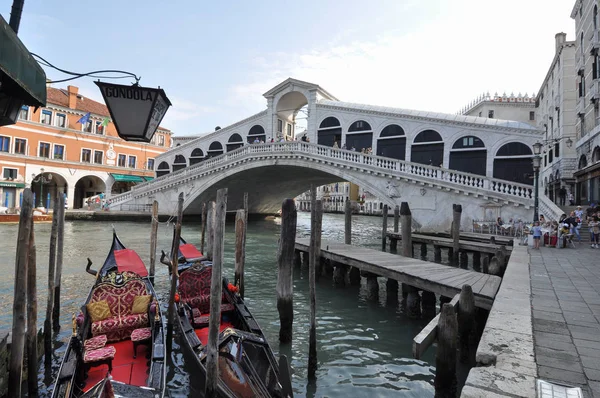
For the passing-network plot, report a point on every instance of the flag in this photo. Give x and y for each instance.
(84, 119)
(105, 122)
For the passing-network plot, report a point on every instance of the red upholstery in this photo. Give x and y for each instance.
(99, 354)
(95, 342)
(128, 260)
(194, 287)
(189, 251)
(141, 334)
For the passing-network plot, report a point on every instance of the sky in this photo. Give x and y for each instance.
(216, 59)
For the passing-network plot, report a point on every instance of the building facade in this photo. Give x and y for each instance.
(334, 197)
(520, 108)
(49, 150)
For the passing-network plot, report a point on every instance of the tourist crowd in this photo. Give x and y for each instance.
(568, 228)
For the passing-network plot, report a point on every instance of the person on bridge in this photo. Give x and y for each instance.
(335, 145)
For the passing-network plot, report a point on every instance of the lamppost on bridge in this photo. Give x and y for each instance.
(42, 180)
(537, 161)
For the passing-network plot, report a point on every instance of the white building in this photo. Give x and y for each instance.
(508, 107)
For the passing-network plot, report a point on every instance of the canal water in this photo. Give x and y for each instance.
(364, 347)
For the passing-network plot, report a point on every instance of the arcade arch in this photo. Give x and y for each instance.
(287, 109)
(513, 163)
(235, 142)
(582, 162)
(428, 148)
(257, 132)
(596, 155)
(44, 187)
(330, 131)
(179, 163)
(163, 169)
(359, 135)
(197, 156)
(90, 185)
(215, 149)
(468, 154)
(392, 142)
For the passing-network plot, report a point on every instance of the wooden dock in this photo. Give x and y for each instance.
(437, 278)
(466, 245)
(476, 237)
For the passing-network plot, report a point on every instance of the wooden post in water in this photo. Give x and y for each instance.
(203, 235)
(60, 244)
(17, 347)
(354, 276)
(424, 251)
(31, 344)
(316, 223)
(216, 291)
(466, 325)
(297, 259)
(464, 260)
(174, 271)
(384, 227)
(391, 290)
(428, 304)
(445, 360)
(305, 259)
(413, 303)
(406, 229)
(456, 214)
(153, 238)
(210, 229)
(245, 204)
(240, 249)
(348, 222)
(339, 274)
(477, 261)
(437, 254)
(486, 265)
(372, 285)
(285, 265)
(51, 270)
(394, 242)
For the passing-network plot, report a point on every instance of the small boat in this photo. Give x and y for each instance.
(118, 341)
(14, 218)
(247, 365)
(188, 256)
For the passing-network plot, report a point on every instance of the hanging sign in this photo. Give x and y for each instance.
(136, 111)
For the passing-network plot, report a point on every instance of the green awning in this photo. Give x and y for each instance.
(149, 178)
(12, 184)
(127, 178)
(17, 63)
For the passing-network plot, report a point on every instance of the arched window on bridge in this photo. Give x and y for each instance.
(215, 149)
(582, 162)
(359, 136)
(257, 132)
(330, 131)
(163, 168)
(468, 154)
(596, 155)
(392, 142)
(513, 163)
(235, 142)
(428, 148)
(179, 163)
(197, 156)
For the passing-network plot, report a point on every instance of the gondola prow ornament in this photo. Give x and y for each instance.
(136, 111)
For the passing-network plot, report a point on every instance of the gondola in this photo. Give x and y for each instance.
(118, 344)
(247, 365)
(188, 256)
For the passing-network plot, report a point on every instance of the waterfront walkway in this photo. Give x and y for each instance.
(565, 290)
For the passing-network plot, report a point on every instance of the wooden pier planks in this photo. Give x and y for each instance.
(467, 245)
(437, 278)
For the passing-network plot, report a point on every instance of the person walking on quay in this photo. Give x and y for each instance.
(571, 199)
(579, 213)
(562, 194)
(595, 230)
(537, 235)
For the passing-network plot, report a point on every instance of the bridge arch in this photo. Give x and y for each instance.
(179, 163)
(469, 154)
(215, 149)
(197, 156)
(235, 142)
(427, 148)
(359, 135)
(163, 169)
(392, 142)
(257, 132)
(330, 131)
(513, 163)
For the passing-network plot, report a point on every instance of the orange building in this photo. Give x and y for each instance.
(50, 151)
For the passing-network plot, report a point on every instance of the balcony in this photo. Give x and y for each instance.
(594, 91)
(595, 42)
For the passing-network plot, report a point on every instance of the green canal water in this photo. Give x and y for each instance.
(364, 347)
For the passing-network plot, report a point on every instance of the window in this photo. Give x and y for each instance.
(150, 164)
(289, 129)
(4, 144)
(98, 157)
(61, 120)
(479, 114)
(131, 161)
(86, 155)
(99, 128)
(557, 149)
(121, 160)
(44, 150)
(531, 115)
(468, 141)
(24, 113)
(46, 117)
(20, 146)
(59, 151)
(10, 174)
(161, 140)
(550, 158)
(280, 125)
(89, 126)
(491, 114)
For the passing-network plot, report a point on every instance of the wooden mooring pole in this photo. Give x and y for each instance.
(31, 344)
(51, 270)
(210, 228)
(456, 214)
(316, 222)
(203, 233)
(406, 226)
(384, 227)
(466, 325)
(20, 288)
(240, 249)
(174, 271)
(445, 360)
(394, 242)
(60, 244)
(153, 240)
(285, 265)
(216, 290)
(348, 222)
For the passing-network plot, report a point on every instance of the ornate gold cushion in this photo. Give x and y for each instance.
(99, 310)
(140, 304)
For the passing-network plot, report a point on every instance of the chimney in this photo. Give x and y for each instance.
(560, 40)
(72, 90)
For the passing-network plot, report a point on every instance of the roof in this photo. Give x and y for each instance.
(295, 82)
(431, 115)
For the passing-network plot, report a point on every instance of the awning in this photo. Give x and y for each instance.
(127, 178)
(17, 63)
(148, 178)
(12, 184)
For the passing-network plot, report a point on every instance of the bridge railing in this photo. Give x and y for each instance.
(348, 157)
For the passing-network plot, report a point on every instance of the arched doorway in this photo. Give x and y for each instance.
(44, 187)
(468, 154)
(215, 149)
(330, 131)
(197, 156)
(359, 136)
(163, 169)
(428, 148)
(89, 186)
(596, 155)
(287, 109)
(235, 142)
(256, 133)
(392, 142)
(513, 163)
(179, 163)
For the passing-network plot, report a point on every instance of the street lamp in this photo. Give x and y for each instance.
(42, 180)
(537, 161)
